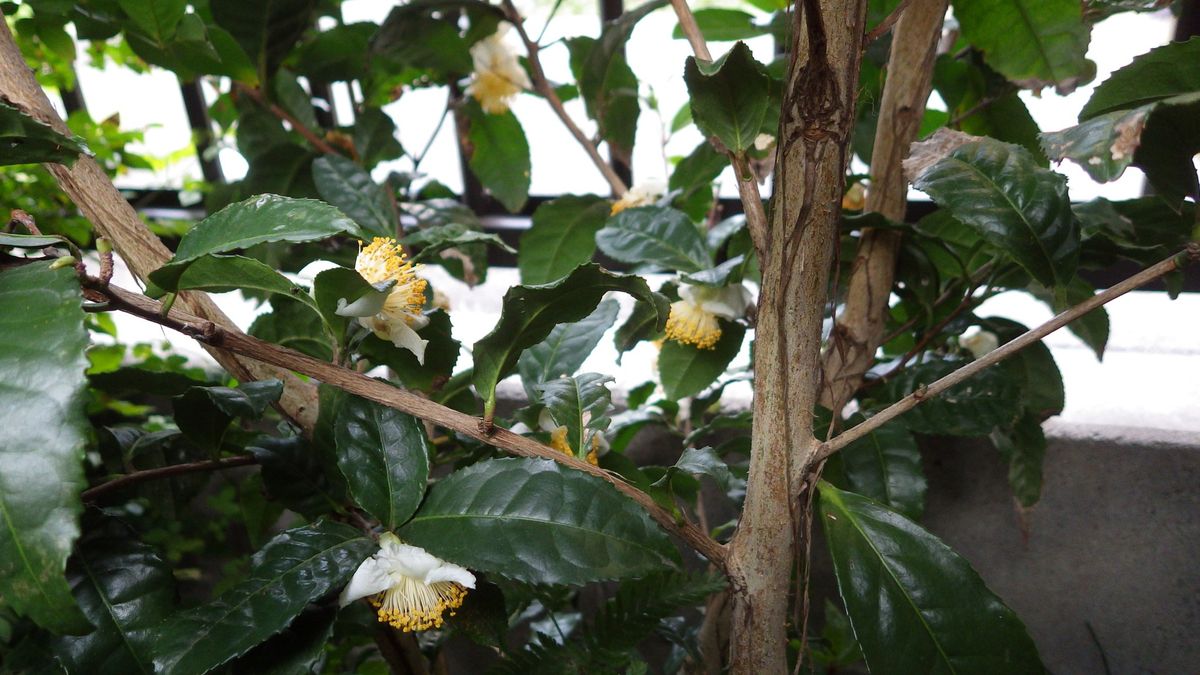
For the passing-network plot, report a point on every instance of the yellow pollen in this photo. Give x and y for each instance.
(384, 260)
(692, 325)
(413, 605)
(558, 441)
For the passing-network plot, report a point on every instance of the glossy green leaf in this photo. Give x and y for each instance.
(29, 240)
(642, 324)
(437, 238)
(125, 590)
(24, 140)
(1102, 146)
(1023, 446)
(566, 347)
(267, 29)
(203, 414)
(1033, 43)
(1162, 73)
(293, 325)
(298, 650)
(686, 370)
(581, 403)
(333, 285)
(1168, 144)
(261, 219)
(441, 354)
(561, 237)
(988, 400)
(885, 465)
(292, 474)
(42, 436)
(903, 587)
(704, 462)
(499, 155)
(294, 569)
(351, 189)
(531, 312)
(1042, 392)
(1018, 207)
(576, 527)
(225, 273)
(1092, 327)
(384, 455)
(729, 97)
(723, 25)
(655, 235)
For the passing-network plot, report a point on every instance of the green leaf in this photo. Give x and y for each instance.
(1033, 43)
(719, 276)
(333, 285)
(729, 97)
(531, 312)
(375, 136)
(499, 155)
(567, 346)
(1092, 327)
(1042, 392)
(295, 568)
(267, 30)
(441, 354)
(723, 25)
(581, 403)
(292, 325)
(438, 238)
(157, 17)
(1023, 446)
(885, 465)
(24, 140)
(1162, 73)
(988, 400)
(655, 235)
(298, 650)
(294, 99)
(384, 455)
(204, 413)
(351, 189)
(577, 527)
(225, 273)
(1018, 207)
(704, 462)
(903, 586)
(125, 589)
(257, 220)
(292, 474)
(561, 237)
(42, 436)
(1168, 143)
(1102, 146)
(30, 240)
(338, 54)
(686, 370)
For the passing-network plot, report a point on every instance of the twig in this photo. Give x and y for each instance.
(543, 87)
(25, 220)
(887, 23)
(299, 127)
(1024, 340)
(95, 493)
(360, 385)
(985, 102)
(967, 302)
(756, 215)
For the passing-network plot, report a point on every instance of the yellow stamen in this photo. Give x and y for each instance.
(413, 605)
(692, 325)
(558, 441)
(384, 260)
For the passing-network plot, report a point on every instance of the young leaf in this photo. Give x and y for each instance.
(350, 188)
(531, 312)
(384, 455)
(1033, 43)
(729, 97)
(499, 155)
(295, 568)
(580, 403)
(257, 220)
(686, 370)
(1023, 446)
(885, 465)
(1018, 207)
(24, 140)
(561, 237)
(567, 347)
(655, 235)
(536, 521)
(1162, 73)
(972, 408)
(903, 586)
(42, 436)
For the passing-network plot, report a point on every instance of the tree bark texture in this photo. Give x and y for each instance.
(815, 126)
(860, 328)
(114, 219)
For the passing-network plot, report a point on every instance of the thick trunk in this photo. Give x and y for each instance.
(859, 329)
(816, 121)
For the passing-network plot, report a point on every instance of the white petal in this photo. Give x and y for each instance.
(451, 572)
(370, 578)
(727, 302)
(369, 304)
(405, 337)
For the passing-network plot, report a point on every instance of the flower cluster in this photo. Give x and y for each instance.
(498, 76)
(393, 314)
(693, 318)
(410, 589)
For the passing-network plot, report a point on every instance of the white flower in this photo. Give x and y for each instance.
(693, 318)
(498, 76)
(764, 142)
(393, 312)
(409, 588)
(980, 343)
(645, 193)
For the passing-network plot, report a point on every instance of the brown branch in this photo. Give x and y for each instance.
(1008, 349)
(381, 392)
(299, 127)
(25, 220)
(93, 494)
(887, 23)
(756, 215)
(543, 87)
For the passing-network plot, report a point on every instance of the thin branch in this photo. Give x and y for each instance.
(756, 215)
(358, 384)
(95, 493)
(886, 25)
(309, 135)
(966, 372)
(543, 87)
(983, 104)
